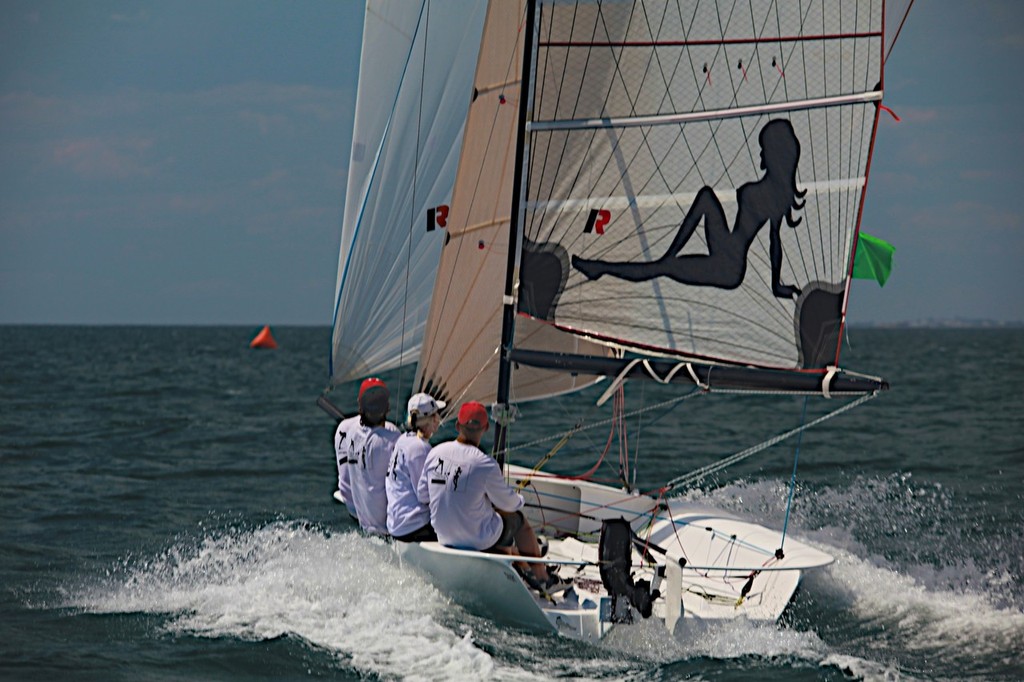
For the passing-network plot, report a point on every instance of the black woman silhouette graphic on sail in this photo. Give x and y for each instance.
(770, 200)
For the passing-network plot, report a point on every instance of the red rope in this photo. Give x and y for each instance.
(890, 112)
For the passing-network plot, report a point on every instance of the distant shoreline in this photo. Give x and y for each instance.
(954, 323)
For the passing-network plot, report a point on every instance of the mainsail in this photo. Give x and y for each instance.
(415, 80)
(696, 173)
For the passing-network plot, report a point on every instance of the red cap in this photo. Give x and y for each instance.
(373, 397)
(370, 383)
(473, 414)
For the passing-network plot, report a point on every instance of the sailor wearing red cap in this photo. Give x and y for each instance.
(342, 446)
(370, 447)
(471, 504)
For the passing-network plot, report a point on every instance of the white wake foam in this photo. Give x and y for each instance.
(870, 616)
(956, 615)
(341, 592)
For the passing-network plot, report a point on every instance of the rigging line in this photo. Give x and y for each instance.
(861, 163)
(703, 472)
(546, 458)
(785, 86)
(828, 147)
(587, 152)
(898, 30)
(849, 195)
(424, 360)
(642, 237)
(698, 88)
(413, 207)
(587, 474)
(814, 165)
(610, 420)
(600, 175)
(782, 80)
(792, 478)
(757, 53)
(623, 435)
(639, 431)
(597, 178)
(617, 425)
(644, 133)
(540, 88)
(711, 126)
(835, 221)
(575, 107)
(677, 137)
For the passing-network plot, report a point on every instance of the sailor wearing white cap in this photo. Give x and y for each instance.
(408, 518)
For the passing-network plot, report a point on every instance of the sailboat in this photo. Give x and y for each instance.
(548, 194)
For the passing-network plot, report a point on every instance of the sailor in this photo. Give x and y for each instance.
(408, 518)
(341, 452)
(471, 504)
(370, 446)
(342, 443)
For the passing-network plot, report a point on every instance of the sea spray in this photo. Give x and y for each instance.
(341, 592)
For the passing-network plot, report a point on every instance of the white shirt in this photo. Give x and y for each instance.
(369, 454)
(341, 453)
(405, 512)
(461, 484)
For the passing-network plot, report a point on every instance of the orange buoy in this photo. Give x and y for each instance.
(264, 339)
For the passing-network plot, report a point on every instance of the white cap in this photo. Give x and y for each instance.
(423, 405)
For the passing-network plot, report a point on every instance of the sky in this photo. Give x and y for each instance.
(185, 162)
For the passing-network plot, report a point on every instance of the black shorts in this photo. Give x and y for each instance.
(510, 525)
(424, 534)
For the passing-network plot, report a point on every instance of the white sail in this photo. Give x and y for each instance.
(754, 119)
(415, 84)
(460, 354)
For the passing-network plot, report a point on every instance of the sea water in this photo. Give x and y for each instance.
(166, 514)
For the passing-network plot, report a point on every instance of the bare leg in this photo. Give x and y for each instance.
(526, 545)
(526, 541)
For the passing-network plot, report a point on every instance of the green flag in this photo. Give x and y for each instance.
(873, 259)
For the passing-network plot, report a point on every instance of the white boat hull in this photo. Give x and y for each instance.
(708, 559)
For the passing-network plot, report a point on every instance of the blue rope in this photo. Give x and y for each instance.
(792, 479)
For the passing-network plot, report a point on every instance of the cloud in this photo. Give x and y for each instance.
(898, 182)
(21, 111)
(140, 17)
(976, 174)
(98, 158)
(267, 124)
(966, 217)
(912, 114)
(922, 153)
(1012, 40)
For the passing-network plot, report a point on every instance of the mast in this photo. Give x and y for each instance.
(508, 300)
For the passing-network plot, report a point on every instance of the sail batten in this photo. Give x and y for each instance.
(669, 119)
(696, 43)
